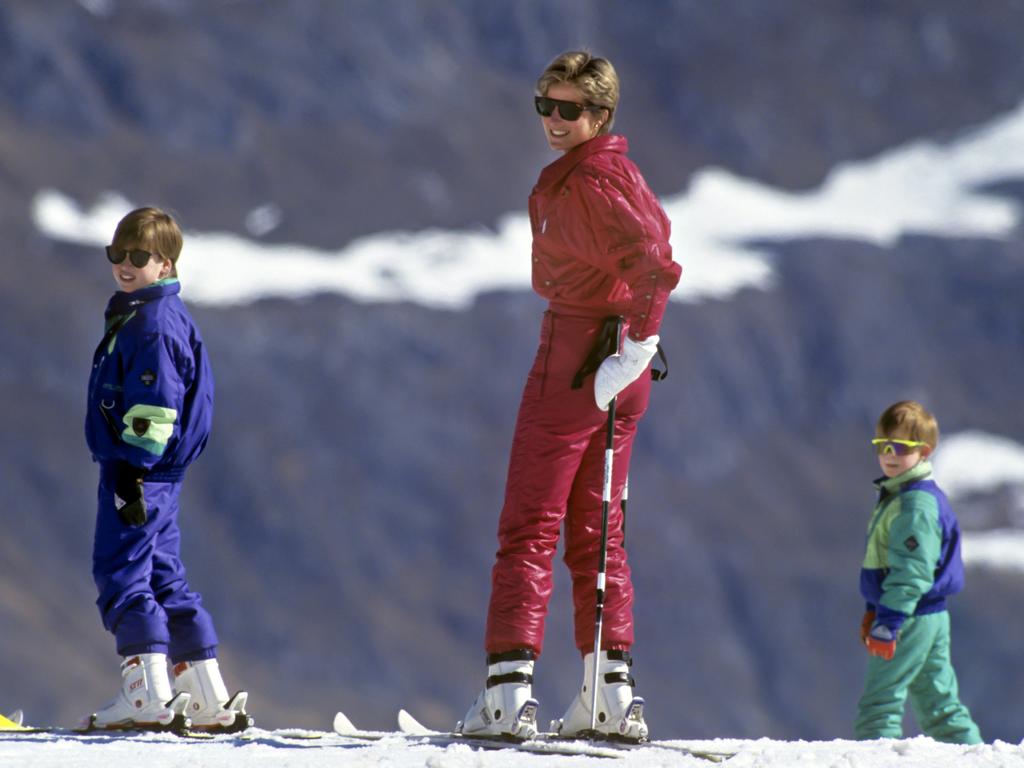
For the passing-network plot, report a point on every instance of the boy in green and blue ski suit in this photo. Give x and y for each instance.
(912, 564)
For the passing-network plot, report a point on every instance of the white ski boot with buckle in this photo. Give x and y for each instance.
(506, 707)
(620, 714)
(209, 706)
(145, 699)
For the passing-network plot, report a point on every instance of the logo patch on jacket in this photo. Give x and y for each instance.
(147, 377)
(140, 426)
(911, 544)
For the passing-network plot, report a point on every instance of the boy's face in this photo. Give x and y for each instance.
(131, 278)
(893, 464)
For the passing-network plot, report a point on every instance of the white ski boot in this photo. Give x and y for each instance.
(506, 707)
(145, 699)
(209, 706)
(620, 714)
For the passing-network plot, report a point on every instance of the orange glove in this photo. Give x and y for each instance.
(865, 626)
(881, 642)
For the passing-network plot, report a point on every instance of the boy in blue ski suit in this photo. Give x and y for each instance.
(150, 409)
(912, 564)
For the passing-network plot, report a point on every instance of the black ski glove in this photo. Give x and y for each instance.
(129, 500)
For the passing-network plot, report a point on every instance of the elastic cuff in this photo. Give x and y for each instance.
(137, 648)
(890, 618)
(201, 655)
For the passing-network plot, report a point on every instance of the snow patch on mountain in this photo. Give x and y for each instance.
(922, 187)
(976, 462)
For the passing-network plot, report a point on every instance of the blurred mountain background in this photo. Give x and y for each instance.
(341, 524)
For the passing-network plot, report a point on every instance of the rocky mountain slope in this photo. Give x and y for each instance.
(341, 524)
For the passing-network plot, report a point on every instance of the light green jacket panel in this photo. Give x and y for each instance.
(914, 547)
(904, 543)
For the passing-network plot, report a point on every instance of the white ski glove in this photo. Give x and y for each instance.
(619, 371)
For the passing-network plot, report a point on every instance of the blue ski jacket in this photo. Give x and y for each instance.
(912, 563)
(150, 401)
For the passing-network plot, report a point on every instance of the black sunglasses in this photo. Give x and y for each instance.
(137, 257)
(569, 110)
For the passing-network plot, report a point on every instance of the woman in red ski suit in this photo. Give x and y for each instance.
(600, 249)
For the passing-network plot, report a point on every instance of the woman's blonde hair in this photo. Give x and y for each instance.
(153, 230)
(593, 75)
(909, 420)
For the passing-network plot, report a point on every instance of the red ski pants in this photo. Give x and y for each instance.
(556, 473)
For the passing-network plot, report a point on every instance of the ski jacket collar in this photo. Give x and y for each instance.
(561, 168)
(920, 471)
(121, 303)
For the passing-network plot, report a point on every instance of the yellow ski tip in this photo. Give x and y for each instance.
(10, 725)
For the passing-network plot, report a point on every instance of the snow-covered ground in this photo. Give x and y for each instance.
(272, 750)
(922, 187)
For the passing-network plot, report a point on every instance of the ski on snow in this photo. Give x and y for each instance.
(12, 722)
(409, 724)
(411, 729)
(180, 725)
(344, 727)
(173, 729)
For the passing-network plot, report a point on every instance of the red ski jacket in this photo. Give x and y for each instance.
(600, 237)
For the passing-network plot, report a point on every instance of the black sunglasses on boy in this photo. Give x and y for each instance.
(137, 257)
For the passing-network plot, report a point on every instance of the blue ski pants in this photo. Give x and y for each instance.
(144, 597)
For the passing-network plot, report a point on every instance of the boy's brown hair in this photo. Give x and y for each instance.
(908, 420)
(594, 76)
(153, 230)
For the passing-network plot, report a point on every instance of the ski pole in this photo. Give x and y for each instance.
(602, 562)
(625, 498)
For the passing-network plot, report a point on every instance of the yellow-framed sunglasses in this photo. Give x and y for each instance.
(893, 445)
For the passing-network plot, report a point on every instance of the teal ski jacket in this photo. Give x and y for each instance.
(912, 561)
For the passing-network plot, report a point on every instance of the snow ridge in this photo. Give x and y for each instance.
(921, 187)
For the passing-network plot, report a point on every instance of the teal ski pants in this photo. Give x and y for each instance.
(921, 667)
